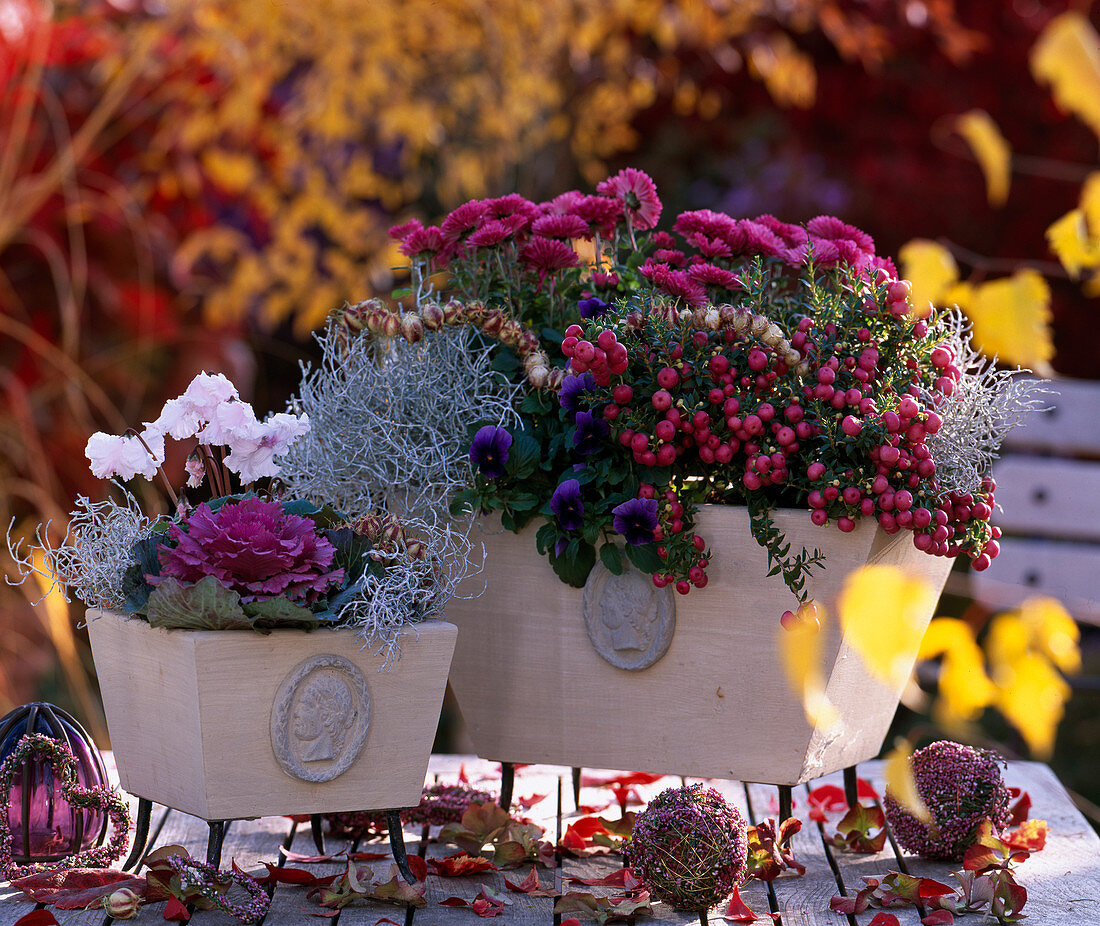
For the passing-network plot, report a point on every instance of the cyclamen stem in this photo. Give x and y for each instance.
(160, 469)
(212, 471)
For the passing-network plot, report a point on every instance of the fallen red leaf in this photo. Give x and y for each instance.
(460, 865)
(58, 886)
(462, 779)
(321, 911)
(277, 875)
(572, 921)
(368, 856)
(454, 902)
(737, 911)
(593, 808)
(1021, 809)
(526, 803)
(1031, 835)
(884, 919)
(622, 780)
(311, 859)
(174, 910)
(624, 878)
(939, 918)
(37, 918)
(386, 919)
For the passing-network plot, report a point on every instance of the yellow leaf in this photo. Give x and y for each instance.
(787, 72)
(1067, 56)
(1068, 238)
(1052, 632)
(1011, 320)
(1032, 696)
(964, 688)
(803, 664)
(1090, 203)
(930, 268)
(882, 610)
(992, 151)
(961, 295)
(1091, 286)
(901, 785)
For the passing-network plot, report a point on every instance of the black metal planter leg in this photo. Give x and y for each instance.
(507, 783)
(315, 820)
(786, 802)
(214, 842)
(851, 786)
(141, 835)
(397, 845)
(577, 788)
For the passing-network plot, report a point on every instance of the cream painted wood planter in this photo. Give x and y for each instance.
(532, 686)
(233, 724)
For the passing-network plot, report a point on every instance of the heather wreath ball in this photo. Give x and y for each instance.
(688, 847)
(961, 786)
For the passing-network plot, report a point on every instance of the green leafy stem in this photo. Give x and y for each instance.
(794, 569)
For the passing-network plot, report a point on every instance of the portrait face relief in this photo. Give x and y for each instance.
(630, 621)
(319, 718)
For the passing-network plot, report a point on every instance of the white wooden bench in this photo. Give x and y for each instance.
(1048, 490)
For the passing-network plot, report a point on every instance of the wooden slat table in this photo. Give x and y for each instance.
(1063, 881)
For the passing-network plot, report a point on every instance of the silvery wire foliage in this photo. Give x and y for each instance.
(390, 422)
(93, 555)
(985, 406)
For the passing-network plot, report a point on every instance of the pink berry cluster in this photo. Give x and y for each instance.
(604, 359)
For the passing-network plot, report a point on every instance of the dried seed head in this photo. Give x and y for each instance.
(432, 316)
(412, 328)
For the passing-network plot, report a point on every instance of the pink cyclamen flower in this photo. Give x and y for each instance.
(560, 226)
(638, 194)
(125, 456)
(252, 452)
(548, 256)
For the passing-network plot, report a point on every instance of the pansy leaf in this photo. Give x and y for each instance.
(612, 558)
(644, 557)
(523, 457)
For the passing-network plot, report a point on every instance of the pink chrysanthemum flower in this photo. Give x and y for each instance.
(831, 228)
(422, 241)
(825, 253)
(561, 204)
(512, 204)
(602, 280)
(791, 235)
(670, 256)
(759, 239)
(601, 213)
(709, 247)
(548, 256)
(401, 232)
(706, 222)
(638, 194)
(560, 226)
(253, 548)
(679, 284)
(710, 275)
(490, 234)
(465, 217)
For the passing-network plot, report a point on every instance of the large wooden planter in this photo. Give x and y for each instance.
(233, 724)
(533, 688)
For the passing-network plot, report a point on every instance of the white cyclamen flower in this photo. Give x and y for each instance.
(231, 420)
(125, 456)
(183, 416)
(253, 449)
(196, 471)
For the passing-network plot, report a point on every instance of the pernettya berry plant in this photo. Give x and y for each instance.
(821, 391)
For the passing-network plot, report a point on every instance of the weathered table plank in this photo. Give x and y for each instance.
(1063, 881)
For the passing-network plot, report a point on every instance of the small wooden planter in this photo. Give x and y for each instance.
(533, 688)
(234, 724)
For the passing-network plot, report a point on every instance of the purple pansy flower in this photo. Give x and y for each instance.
(567, 505)
(592, 307)
(572, 387)
(489, 451)
(636, 520)
(591, 431)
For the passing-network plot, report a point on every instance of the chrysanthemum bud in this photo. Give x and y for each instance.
(684, 316)
(510, 333)
(417, 549)
(528, 342)
(758, 324)
(370, 527)
(537, 359)
(557, 376)
(122, 904)
(454, 313)
(538, 377)
(392, 529)
(712, 319)
(389, 325)
(412, 328)
(772, 335)
(432, 316)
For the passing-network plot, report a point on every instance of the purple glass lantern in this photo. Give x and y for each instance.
(43, 826)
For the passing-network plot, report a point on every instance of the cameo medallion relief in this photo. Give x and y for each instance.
(630, 621)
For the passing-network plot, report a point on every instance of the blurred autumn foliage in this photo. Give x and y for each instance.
(189, 185)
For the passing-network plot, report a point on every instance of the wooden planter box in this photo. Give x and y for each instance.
(533, 688)
(233, 724)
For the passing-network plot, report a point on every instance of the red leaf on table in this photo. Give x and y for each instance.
(593, 808)
(530, 885)
(462, 779)
(737, 911)
(1021, 809)
(1030, 836)
(939, 918)
(386, 919)
(314, 911)
(174, 910)
(482, 906)
(459, 865)
(826, 799)
(277, 875)
(884, 919)
(572, 921)
(851, 905)
(368, 856)
(624, 878)
(418, 867)
(526, 803)
(37, 918)
(297, 817)
(454, 902)
(311, 859)
(622, 780)
(855, 829)
(54, 886)
(930, 887)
